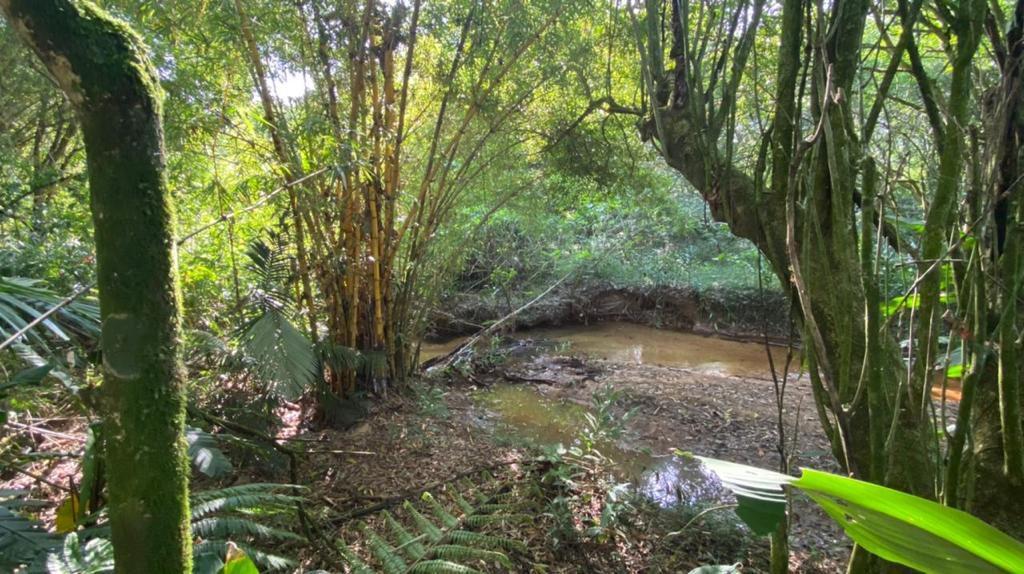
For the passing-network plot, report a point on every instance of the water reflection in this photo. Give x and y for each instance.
(666, 480)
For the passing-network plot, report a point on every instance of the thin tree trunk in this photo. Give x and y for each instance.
(102, 68)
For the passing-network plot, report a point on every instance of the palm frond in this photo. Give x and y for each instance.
(205, 455)
(23, 542)
(280, 354)
(23, 300)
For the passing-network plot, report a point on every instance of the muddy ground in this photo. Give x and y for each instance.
(412, 442)
(447, 428)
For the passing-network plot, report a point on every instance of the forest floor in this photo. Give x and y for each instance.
(484, 417)
(497, 412)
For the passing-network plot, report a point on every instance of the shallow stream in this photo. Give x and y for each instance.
(664, 478)
(628, 342)
(520, 410)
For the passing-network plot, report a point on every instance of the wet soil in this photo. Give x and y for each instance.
(688, 393)
(723, 408)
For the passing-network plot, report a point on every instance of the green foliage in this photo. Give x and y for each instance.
(239, 563)
(452, 542)
(44, 348)
(235, 515)
(94, 557)
(281, 354)
(897, 526)
(22, 541)
(205, 454)
(238, 515)
(602, 424)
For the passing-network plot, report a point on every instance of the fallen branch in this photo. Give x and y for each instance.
(417, 492)
(446, 359)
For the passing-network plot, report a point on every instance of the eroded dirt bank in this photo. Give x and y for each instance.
(742, 313)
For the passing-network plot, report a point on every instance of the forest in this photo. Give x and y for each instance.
(489, 286)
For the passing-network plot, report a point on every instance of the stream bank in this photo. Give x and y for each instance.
(671, 392)
(741, 313)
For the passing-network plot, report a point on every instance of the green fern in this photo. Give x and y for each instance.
(441, 567)
(352, 560)
(480, 520)
(469, 538)
(445, 539)
(432, 532)
(447, 519)
(241, 497)
(408, 543)
(388, 556)
(460, 553)
(94, 557)
(233, 514)
(464, 504)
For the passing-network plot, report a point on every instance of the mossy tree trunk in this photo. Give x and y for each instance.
(102, 68)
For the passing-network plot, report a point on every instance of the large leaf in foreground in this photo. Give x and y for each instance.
(895, 525)
(910, 530)
(761, 500)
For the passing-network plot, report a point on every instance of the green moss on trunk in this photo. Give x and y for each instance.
(101, 65)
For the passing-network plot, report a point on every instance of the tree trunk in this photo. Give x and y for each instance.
(102, 68)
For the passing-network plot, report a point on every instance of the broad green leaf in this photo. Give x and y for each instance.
(31, 375)
(762, 502)
(238, 563)
(910, 530)
(897, 526)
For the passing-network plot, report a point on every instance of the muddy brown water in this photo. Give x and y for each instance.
(665, 478)
(631, 343)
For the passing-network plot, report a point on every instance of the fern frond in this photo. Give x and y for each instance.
(479, 520)
(467, 486)
(406, 542)
(507, 497)
(440, 512)
(246, 496)
(432, 532)
(94, 557)
(387, 554)
(495, 508)
(462, 554)
(469, 538)
(231, 527)
(242, 490)
(441, 567)
(466, 507)
(355, 564)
